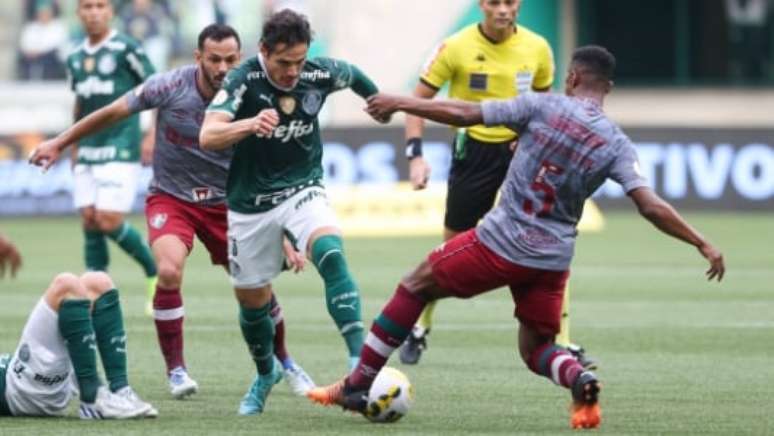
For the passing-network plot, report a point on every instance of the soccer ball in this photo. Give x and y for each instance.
(390, 396)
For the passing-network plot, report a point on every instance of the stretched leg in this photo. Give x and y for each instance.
(342, 297)
(563, 337)
(416, 343)
(258, 332)
(538, 308)
(169, 313)
(387, 332)
(545, 358)
(299, 381)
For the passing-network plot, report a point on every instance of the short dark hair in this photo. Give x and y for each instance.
(595, 60)
(286, 27)
(217, 33)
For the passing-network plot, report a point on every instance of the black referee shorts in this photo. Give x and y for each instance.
(477, 171)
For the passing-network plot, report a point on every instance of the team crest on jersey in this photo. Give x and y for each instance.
(157, 221)
(312, 102)
(88, 64)
(287, 104)
(24, 353)
(202, 194)
(107, 64)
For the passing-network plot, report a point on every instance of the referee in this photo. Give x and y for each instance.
(494, 59)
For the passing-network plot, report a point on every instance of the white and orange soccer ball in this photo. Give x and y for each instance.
(390, 397)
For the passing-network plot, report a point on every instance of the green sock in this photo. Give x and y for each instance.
(95, 250)
(111, 338)
(133, 244)
(258, 331)
(78, 333)
(341, 294)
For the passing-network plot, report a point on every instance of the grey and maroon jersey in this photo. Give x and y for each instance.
(181, 168)
(567, 149)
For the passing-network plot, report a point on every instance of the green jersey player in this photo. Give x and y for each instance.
(267, 110)
(102, 69)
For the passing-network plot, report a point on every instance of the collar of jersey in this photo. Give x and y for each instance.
(91, 49)
(265, 70)
(480, 28)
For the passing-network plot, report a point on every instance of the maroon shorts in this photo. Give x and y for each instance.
(167, 215)
(465, 267)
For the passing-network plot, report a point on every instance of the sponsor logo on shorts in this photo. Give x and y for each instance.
(278, 197)
(49, 380)
(158, 220)
(311, 195)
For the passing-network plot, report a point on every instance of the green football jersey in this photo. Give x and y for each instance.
(99, 75)
(267, 170)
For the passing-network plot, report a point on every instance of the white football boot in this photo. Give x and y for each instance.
(181, 384)
(130, 395)
(108, 405)
(298, 380)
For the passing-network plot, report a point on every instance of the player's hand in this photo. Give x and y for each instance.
(265, 122)
(295, 260)
(717, 267)
(45, 154)
(9, 257)
(381, 107)
(419, 173)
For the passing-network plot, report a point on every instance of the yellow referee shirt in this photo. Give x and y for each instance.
(479, 69)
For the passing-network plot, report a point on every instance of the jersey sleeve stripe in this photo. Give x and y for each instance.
(219, 111)
(428, 84)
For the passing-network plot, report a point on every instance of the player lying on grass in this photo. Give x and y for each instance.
(76, 318)
(568, 148)
(187, 193)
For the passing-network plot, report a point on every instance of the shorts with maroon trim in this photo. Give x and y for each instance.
(465, 267)
(168, 215)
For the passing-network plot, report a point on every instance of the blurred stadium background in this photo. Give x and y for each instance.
(695, 91)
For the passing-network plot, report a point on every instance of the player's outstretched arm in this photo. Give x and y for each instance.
(666, 219)
(219, 131)
(9, 257)
(49, 151)
(452, 112)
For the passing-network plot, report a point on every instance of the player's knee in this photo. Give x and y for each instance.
(89, 218)
(170, 274)
(97, 282)
(254, 298)
(108, 222)
(64, 285)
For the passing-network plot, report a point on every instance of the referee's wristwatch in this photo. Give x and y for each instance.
(413, 148)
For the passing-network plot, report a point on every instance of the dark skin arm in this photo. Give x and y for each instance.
(452, 112)
(665, 218)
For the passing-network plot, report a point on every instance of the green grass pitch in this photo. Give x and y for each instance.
(678, 355)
